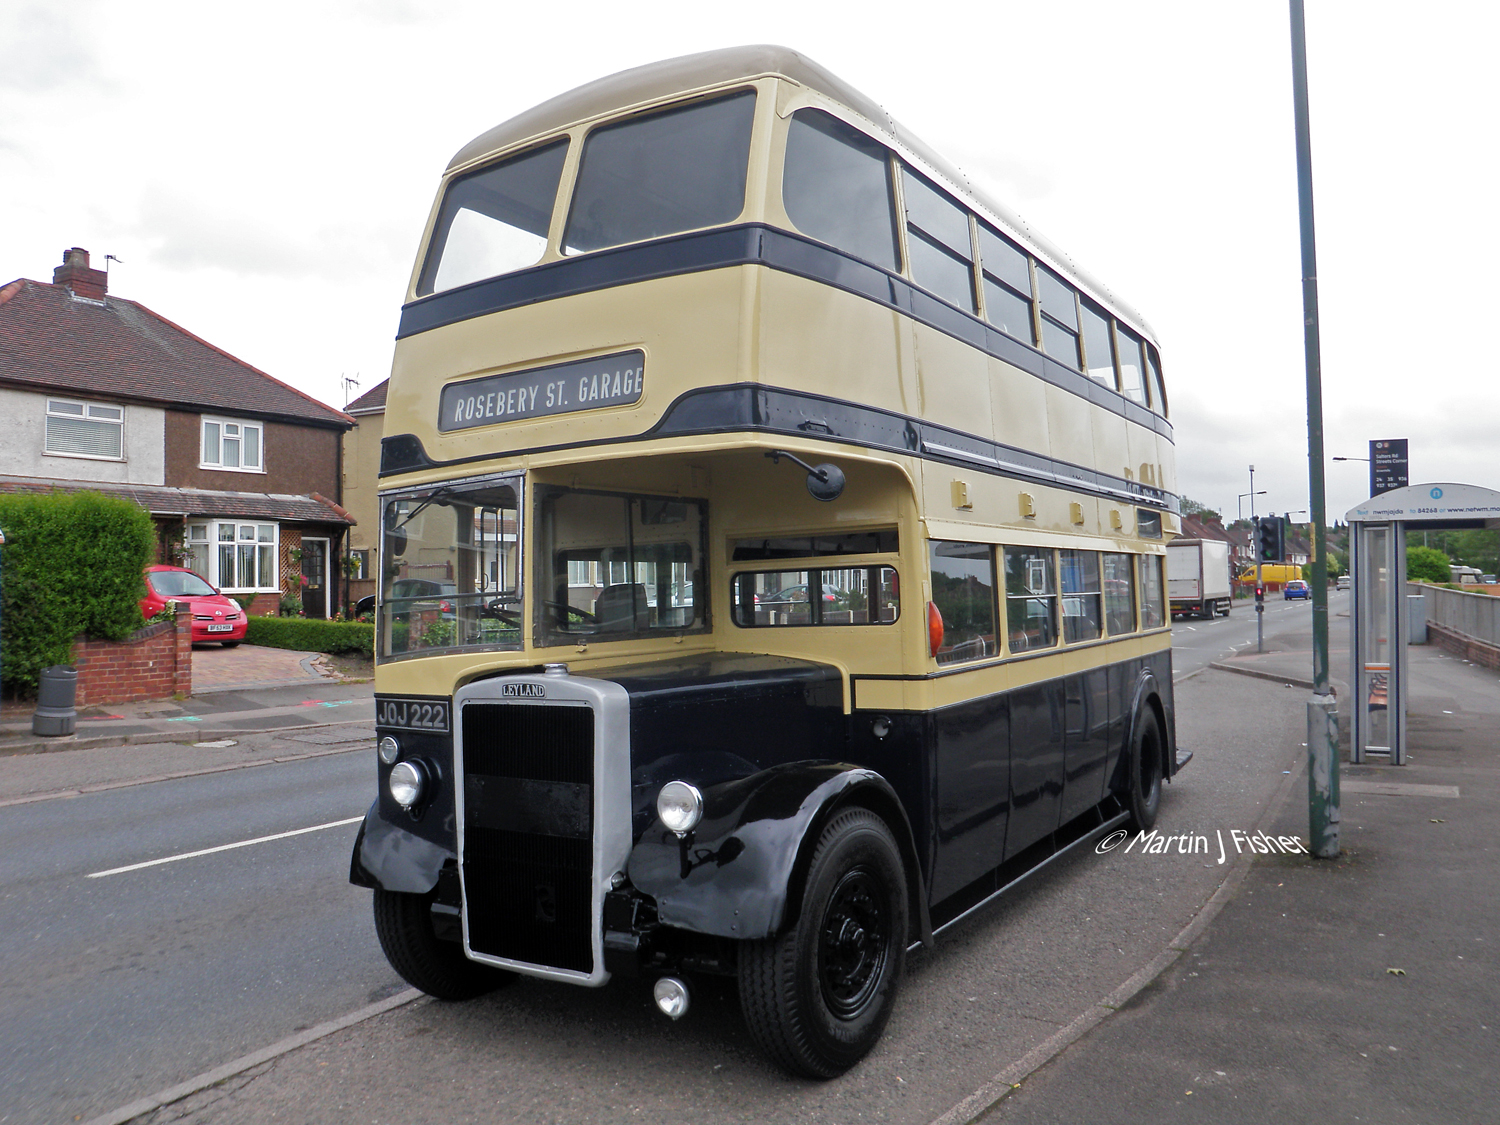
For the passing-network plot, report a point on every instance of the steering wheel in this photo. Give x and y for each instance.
(563, 611)
(504, 616)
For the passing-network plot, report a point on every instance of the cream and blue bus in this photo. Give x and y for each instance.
(771, 556)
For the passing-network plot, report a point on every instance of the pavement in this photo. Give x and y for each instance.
(238, 693)
(1364, 988)
(1360, 989)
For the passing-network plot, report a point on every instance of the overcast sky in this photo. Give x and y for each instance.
(263, 173)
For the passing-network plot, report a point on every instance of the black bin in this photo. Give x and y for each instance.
(56, 694)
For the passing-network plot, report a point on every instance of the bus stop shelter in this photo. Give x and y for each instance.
(1380, 627)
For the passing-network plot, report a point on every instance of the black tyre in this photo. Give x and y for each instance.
(439, 968)
(1145, 773)
(817, 998)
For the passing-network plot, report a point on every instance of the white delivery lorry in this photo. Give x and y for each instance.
(1198, 577)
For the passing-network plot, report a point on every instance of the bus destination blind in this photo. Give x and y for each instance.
(587, 384)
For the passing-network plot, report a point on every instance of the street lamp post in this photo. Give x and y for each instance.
(1322, 710)
(1260, 603)
(1239, 508)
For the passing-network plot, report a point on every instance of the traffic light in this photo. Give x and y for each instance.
(1270, 539)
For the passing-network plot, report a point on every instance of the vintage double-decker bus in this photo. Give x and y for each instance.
(772, 555)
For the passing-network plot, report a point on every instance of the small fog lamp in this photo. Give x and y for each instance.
(671, 997)
(407, 781)
(388, 749)
(680, 806)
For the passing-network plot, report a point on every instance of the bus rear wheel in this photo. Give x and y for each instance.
(439, 968)
(817, 998)
(1144, 798)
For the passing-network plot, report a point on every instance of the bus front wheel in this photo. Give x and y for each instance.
(1145, 773)
(817, 998)
(437, 967)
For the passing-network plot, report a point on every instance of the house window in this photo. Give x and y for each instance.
(85, 429)
(361, 565)
(232, 445)
(235, 556)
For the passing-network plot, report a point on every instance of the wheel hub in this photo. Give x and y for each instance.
(852, 944)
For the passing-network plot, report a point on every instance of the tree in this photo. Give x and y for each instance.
(1191, 507)
(1427, 564)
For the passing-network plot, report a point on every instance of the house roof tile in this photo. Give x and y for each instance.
(371, 402)
(162, 500)
(114, 348)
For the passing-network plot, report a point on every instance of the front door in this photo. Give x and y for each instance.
(315, 577)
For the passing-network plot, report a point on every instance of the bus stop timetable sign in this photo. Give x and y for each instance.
(607, 380)
(1388, 466)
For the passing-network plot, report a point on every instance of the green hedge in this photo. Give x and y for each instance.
(309, 634)
(72, 564)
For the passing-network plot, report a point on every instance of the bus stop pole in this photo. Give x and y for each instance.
(1322, 709)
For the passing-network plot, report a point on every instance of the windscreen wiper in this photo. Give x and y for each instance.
(428, 499)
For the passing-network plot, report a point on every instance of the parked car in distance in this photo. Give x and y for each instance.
(1343, 582)
(789, 595)
(1296, 588)
(215, 616)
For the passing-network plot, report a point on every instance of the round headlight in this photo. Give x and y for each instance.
(680, 806)
(388, 749)
(406, 783)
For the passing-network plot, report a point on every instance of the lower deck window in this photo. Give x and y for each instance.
(1081, 596)
(1119, 594)
(1153, 593)
(1030, 598)
(963, 590)
(858, 595)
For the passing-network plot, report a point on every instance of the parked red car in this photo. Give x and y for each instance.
(215, 617)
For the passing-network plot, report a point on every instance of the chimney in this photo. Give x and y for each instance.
(89, 284)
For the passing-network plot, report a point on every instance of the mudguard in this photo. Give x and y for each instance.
(739, 873)
(1146, 687)
(388, 857)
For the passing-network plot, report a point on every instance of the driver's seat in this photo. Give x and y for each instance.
(622, 608)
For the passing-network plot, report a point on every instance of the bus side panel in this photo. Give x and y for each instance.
(799, 318)
(1089, 736)
(1037, 746)
(970, 744)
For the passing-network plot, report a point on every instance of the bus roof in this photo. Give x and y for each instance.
(732, 64)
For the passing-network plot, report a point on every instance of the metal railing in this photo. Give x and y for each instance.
(1473, 615)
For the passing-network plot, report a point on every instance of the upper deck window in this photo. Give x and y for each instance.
(1007, 285)
(1059, 317)
(494, 220)
(1101, 363)
(1158, 392)
(1132, 379)
(660, 173)
(836, 187)
(938, 241)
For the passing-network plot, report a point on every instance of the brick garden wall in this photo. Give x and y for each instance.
(1470, 648)
(156, 662)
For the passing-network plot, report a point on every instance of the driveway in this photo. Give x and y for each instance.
(216, 668)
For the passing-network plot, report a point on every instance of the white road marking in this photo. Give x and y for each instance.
(226, 847)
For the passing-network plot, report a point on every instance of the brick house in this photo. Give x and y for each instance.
(241, 472)
(361, 481)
